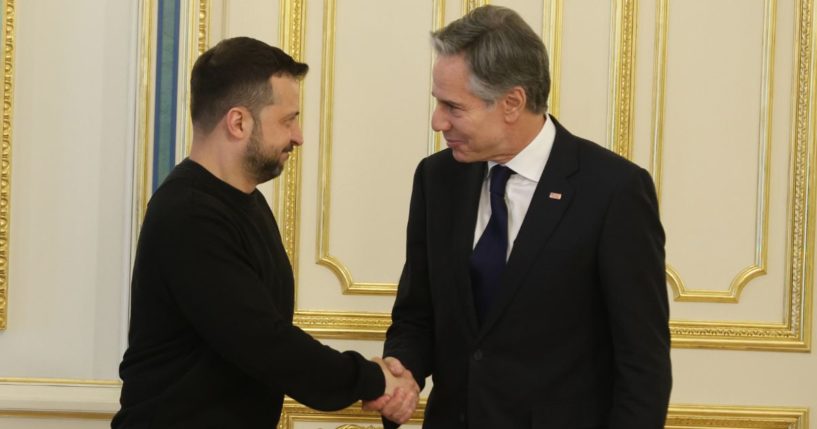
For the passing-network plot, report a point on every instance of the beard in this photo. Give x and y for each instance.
(261, 166)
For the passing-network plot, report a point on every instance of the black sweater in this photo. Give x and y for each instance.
(212, 342)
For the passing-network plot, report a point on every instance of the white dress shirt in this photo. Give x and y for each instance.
(528, 166)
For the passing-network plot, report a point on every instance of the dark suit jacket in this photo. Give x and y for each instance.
(578, 336)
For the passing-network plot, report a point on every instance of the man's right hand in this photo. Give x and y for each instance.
(402, 392)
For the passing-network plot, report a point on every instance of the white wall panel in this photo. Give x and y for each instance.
(73, 121)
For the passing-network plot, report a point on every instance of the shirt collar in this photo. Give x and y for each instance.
(530, 162)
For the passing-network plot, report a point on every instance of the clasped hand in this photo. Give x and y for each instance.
(402, 393)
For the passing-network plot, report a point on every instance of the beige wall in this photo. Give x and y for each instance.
(714, 97)
(72, 138)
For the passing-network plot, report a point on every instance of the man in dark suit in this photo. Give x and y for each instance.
(211, 342)
(534, 290)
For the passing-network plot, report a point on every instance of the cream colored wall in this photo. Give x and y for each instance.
(717, 106)
(72, 141)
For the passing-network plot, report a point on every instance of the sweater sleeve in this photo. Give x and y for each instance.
(209, 276)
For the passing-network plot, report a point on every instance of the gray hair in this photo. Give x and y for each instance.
(502, 52)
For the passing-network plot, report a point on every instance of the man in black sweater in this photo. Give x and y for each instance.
(212, 344)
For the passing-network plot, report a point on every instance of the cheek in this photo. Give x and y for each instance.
(278, 137)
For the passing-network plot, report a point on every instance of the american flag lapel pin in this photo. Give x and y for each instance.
(555, 196)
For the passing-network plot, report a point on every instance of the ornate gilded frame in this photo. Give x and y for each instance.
(5, 155)
(758, 266)
(679, 417)
(146, 77)
(348, 285)
(794, 332)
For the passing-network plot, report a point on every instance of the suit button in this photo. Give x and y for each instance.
(478, 355)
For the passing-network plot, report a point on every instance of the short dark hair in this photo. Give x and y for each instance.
(233, 73)
(502, 52)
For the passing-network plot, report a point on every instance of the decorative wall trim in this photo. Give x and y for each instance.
(196, 42)
(344, 275)
(622, 77)
(758, 266)
(435, 141)
(344, 325)
(707, 416)
(53, 415)
(146, 89)
(59, 381)
(287, 200)
(792, 335)
(794, 332)
(58, 399)
(5, 154)
(469, 5)
(202, 24)
(349, 418)
(91, 402)
(552, 36)
(348, 285)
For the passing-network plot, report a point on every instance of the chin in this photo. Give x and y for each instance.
(462, 157)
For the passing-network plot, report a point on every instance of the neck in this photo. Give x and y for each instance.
(218, 156)
(522, 133)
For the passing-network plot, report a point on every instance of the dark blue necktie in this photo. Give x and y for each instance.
(490, 254)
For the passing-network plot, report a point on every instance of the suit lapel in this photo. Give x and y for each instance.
(466, 195)
(550, 200)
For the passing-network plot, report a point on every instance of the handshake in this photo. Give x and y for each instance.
(402, 393)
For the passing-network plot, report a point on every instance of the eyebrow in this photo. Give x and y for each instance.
(447, 102)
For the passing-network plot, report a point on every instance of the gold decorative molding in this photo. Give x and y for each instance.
(348, 418)
(59, 381)
(469, 5)
(622, 78)
(679, 416)
(203, 33)
(758, 266)
(73, 415)
(198, 41)
(146, 95)
(658, 94)
(344, 325)
(348, 284)
(552, 36)
(794, 332)
(287, 199)
(435, 139)
(704, 416)
(5, 156)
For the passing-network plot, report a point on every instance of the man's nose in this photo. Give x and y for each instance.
(439, 119)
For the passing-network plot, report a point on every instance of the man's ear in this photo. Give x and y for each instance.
(513, 103)
(238, 122)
